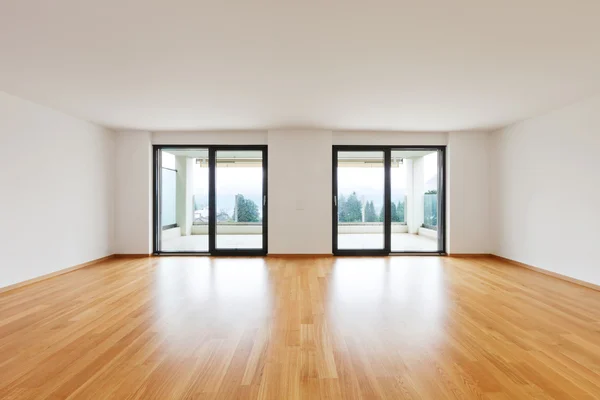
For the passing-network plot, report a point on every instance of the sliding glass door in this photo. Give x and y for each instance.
(210, 200)
(388, 200)
(183, 200)
(360, 201)
(240, 200)
(416, 182)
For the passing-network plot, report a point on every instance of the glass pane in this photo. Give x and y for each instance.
(239, 199)
(414, 186)
(169, 205)
(184, 200)
(360, 200)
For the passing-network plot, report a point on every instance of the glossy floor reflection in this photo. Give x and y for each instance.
(291, 328)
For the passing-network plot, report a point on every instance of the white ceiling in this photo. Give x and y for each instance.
(432, 65)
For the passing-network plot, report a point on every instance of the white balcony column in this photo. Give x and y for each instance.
(185, 193)
(415, 190)
(410, 202)
(418, 193)
(189, 194)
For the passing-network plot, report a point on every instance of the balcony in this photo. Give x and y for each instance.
(363, 235)
(418, 235)
(230, 235)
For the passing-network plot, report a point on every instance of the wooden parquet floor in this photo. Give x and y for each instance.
(300, 328)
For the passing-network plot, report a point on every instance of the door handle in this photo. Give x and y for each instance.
(335, 201)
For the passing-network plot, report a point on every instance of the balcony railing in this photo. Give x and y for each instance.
(230, 228)
(430, 211)
(369, 227)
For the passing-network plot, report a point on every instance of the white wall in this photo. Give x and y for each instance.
(528, 192)
(297, 223)
(210, 138)
(57, 200)
(300, 192)
(468, 190)
(390, 138)
(133, 228)
(546, 191)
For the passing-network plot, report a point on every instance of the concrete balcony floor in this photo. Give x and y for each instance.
(400, 242)
(354, 241)
(199, 243)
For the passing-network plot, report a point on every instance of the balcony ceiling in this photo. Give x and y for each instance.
(221, 154)
(409, 154)
(430, 65)
(189, 153)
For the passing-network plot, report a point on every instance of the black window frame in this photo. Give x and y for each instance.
(212, 250)
(387, 250)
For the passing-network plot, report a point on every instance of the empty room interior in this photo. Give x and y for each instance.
(300, 200)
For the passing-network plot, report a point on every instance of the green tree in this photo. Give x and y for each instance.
(397, 212)
(341, 206)
(430, 204)
(400, 211)
(350, 210)
(370, 214)
(394, 213)
(245, 210)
